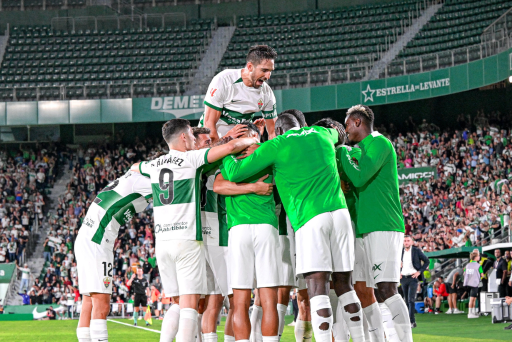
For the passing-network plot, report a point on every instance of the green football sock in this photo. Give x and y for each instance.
(135, 316)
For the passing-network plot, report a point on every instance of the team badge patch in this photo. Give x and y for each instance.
(260, 103)
(106, 282)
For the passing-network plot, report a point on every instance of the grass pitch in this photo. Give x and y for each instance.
(435, 328)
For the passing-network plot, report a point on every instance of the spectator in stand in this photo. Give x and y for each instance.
(451, 287)
(500, 265)
(472, 275)
(25, 277)
(26, 298)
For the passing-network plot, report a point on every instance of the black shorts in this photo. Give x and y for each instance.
(473, 291)
(140, 299)
(450, 290)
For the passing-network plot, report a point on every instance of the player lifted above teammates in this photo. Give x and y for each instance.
(317, 211)
(175, 180)
(235, 95)
(114, 206)
(380, 220)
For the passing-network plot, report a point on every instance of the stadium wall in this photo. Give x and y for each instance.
(315, 99)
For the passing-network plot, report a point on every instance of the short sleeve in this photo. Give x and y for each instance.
(144, 168)
(269, 111)
(198, 158)
(143, 186)
(216, 94)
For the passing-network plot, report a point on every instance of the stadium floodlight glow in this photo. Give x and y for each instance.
(510, 79)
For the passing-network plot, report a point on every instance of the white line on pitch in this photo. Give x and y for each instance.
(133, 326)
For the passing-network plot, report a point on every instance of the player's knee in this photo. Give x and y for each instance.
(352, 309)
(326, 312)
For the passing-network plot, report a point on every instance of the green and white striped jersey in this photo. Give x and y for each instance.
(176, 184)
(215, 222)
(237, 102)
(114, 206)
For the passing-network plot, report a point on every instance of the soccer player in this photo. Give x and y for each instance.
(380, 219)
(306, 176)
(175, 181)
(140, 289)
(253, 248)
(235, 95)
(114, 206)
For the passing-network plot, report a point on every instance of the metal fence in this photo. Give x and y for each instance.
(499, 29)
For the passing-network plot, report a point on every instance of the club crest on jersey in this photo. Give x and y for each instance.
(106, 282)
(260, 103)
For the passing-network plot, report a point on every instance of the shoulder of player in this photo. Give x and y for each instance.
(266, 89)
(228, 76)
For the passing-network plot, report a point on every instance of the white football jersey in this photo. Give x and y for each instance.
(237, 102)
(114, 206)
(176, 183)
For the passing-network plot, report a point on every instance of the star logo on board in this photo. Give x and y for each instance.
(368, 96)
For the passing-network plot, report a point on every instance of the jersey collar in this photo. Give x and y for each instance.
(368, 139)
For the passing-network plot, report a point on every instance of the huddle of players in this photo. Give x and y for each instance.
(238, 242)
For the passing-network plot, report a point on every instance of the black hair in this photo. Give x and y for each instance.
(362, 112)
(258, 53)
(286, 122)
(252, 127)
(200, 130)
(330, 123)
(298, 115)
(172, 128)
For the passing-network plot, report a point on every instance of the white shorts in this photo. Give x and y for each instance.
(182, 266)
(94, 265)
(223, 128)
(287, 250)
(253, 252)
(326, 243)
(361, 270)
(383, 251)
(217, 270)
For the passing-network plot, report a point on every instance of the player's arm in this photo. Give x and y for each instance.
(222, 186)
(129, 282)
(234, 146)
(270, 123)
(269, 113)
(236, 170)
(368, 165)
(211, 116)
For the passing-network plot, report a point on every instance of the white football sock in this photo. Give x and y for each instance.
(99, 330)
(199, 335)
(228, 338)
(400, 316)
(83, 334)
(281, 312)
(366, 331)
(188, 325)
(340, 331)
(375, 326)
(170, 324)
(354, 327)
(210, 337)
(256, 317)
(387, 322)
(318, 303)
(270, 338)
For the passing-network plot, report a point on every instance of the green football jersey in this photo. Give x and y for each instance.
(304, 165)
(249, 208)
(376, 180)
(352, 196)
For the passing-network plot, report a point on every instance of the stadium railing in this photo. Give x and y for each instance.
(500, 28)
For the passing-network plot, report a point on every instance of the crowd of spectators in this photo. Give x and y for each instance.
(468, 204)
(25, 173)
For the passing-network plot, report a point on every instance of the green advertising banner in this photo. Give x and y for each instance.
(6, 272)
(340, 96)
(416, 173)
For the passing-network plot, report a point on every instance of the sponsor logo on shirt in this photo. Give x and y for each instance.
(303, 133)
(88, 222)
(106, 282)
(207, 231)
(170, 227)
(377, 267)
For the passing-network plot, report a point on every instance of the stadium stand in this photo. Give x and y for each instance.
(321, 40)
(49, 59)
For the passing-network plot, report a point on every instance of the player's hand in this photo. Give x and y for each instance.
(236, 131)
(260, 123)
(416, 275)
(453, 286)
(262, 188)
(133, 276)
(248, 151)
(345, 187)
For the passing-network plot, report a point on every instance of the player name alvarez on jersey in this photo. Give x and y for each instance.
(306, 191)
(115, 205)
(236, 101)
(175, 183)
(376, 178)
